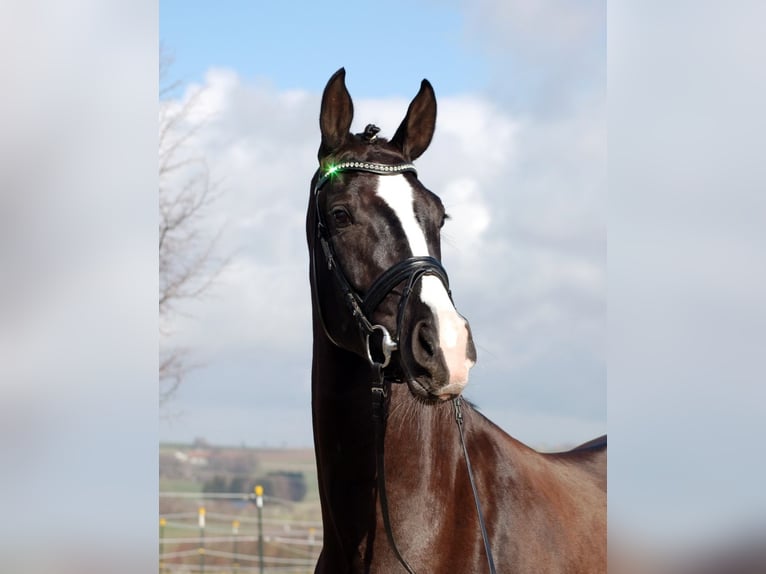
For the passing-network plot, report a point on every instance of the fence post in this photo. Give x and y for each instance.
(259, 504)
(163, 522)
(201, 548)
(235, 532)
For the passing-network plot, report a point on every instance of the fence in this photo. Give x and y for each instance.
(252, 540)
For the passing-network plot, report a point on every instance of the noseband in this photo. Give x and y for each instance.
(409, 270)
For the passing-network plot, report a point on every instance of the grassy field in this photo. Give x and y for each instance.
(179, 485)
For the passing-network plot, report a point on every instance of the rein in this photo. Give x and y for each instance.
(458, 402)
(361, 307)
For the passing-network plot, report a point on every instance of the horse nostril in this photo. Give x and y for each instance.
(425, 343)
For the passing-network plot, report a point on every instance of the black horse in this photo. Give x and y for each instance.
(382, 315)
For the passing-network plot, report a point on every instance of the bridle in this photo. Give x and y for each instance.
(409, 270)
(361, 307)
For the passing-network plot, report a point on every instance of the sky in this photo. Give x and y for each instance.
(519, 158)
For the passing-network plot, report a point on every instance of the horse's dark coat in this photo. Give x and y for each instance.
(545, 513)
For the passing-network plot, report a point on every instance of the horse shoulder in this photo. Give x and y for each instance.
(561, 498)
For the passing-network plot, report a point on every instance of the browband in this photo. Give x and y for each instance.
(379, 168)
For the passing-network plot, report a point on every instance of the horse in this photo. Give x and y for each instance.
(391, 357)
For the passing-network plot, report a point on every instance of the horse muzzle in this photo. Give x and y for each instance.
(440, 346)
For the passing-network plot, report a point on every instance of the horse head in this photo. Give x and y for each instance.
(378, 286)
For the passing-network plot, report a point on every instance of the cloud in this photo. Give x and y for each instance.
(524, 246)
(545, 54)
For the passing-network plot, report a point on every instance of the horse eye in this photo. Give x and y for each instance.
(341, 217)
(445, 217)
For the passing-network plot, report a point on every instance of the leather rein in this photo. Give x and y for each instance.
(361, 307)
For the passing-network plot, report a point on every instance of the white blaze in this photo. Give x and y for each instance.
(453, 334)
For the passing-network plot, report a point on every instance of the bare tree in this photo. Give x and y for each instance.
(188, 263)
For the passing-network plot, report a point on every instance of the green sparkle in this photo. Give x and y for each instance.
(331, 169)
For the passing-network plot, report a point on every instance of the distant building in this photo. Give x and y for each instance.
(193, 457)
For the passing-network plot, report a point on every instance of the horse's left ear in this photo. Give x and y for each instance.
(417, 128)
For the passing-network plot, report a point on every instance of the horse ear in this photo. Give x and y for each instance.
(336, 113)
(417, 128)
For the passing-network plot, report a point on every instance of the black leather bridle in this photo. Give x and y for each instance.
(409, 270)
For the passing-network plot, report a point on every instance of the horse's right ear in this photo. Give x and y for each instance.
(336, 114)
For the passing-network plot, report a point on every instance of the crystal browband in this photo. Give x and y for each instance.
(378, 168)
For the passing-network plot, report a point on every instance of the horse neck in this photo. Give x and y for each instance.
(422, 447)
(424, 435)
(416, 451)
(344, 449)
